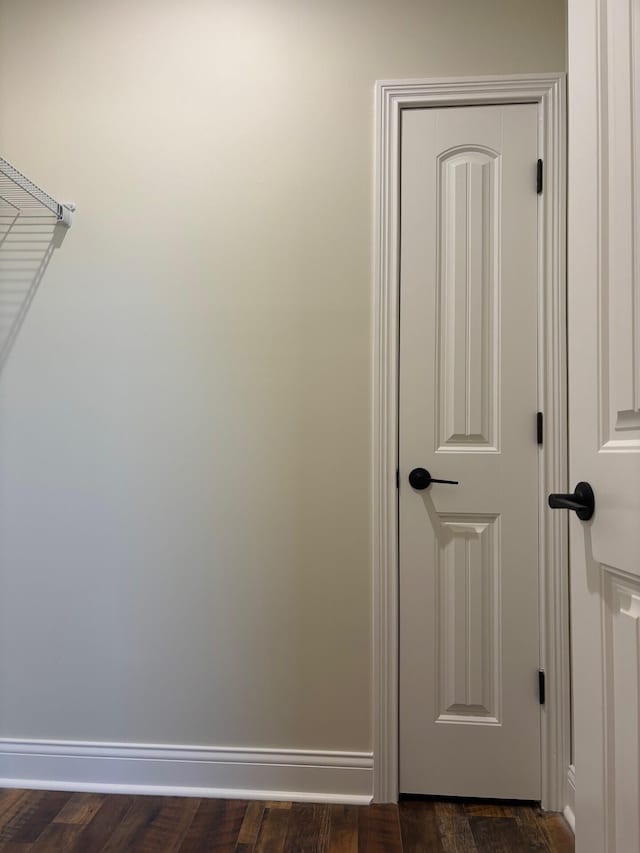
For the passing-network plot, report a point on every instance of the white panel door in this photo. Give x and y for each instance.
(604, 417)
(469, 630)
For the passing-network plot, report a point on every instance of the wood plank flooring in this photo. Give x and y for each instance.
(44, 822)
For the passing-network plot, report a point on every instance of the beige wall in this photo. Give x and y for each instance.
(185, 415)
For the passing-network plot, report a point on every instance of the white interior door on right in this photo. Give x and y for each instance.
(604, 417)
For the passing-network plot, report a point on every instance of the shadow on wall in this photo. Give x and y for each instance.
(26, 247)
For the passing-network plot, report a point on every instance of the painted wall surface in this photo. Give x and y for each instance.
(185, 412)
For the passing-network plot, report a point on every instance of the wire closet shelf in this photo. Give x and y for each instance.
(21, 197)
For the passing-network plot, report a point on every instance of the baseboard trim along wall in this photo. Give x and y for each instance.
(286, 774)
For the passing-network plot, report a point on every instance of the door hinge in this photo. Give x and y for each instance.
(539, 177)
(539, 427)
(397, 478)
(541, 686)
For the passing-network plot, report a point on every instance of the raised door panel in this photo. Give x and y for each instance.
(620, 307)
(468, 619)
(621, 633)
(620, 229)
(467, 395)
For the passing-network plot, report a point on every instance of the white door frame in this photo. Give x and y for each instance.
(392, 96)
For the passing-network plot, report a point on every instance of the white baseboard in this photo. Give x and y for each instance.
(569, 811)
(263, 774)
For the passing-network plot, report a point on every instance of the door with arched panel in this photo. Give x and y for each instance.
(469, 613)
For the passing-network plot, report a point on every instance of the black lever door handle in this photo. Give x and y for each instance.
(582, 501)
(420, 479)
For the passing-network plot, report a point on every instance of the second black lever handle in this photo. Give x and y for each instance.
(420, 479)
(581, 501)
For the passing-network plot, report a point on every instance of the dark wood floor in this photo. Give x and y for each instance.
(93, 823)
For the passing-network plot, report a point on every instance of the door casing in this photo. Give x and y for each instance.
(393, 96)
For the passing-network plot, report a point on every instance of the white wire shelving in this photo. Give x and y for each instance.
(21, 197)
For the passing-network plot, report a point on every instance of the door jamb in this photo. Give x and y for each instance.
(392, 96)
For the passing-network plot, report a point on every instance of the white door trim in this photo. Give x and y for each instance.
(392, 96)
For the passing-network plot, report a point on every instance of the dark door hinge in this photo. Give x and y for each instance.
(539, 177)
(541, 687)
(539, 427)
(397, 478)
